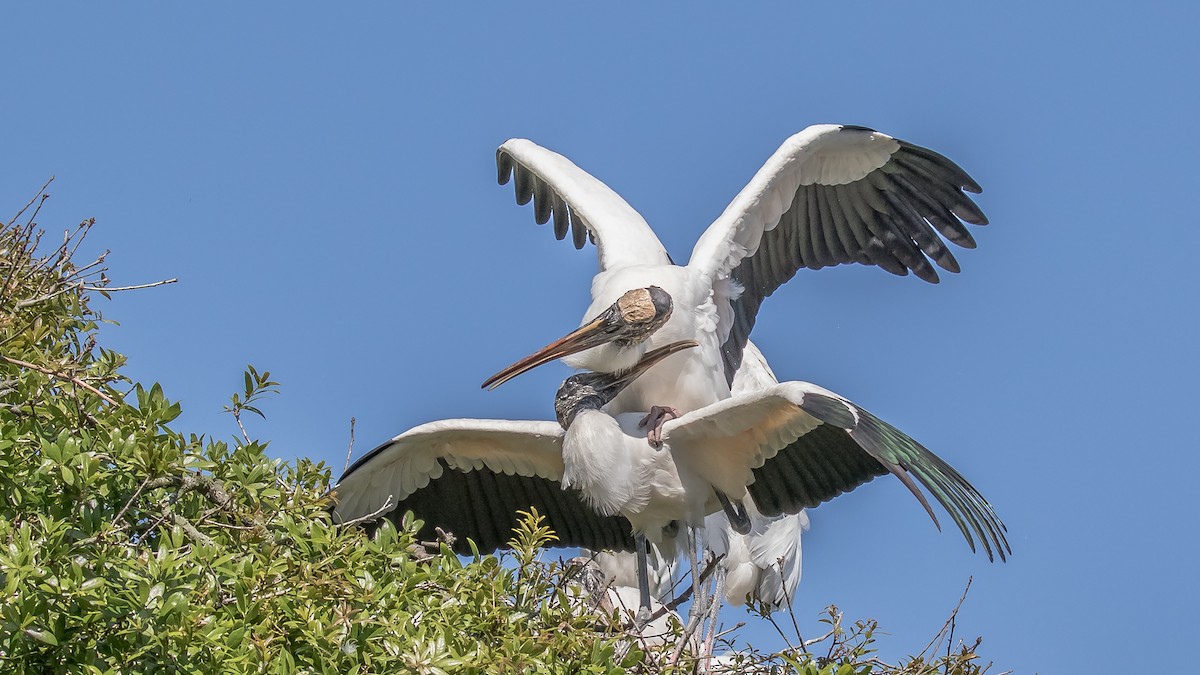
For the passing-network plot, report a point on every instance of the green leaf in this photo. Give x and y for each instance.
(45, 637)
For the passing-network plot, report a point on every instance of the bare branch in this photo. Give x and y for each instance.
(687, 592)
(138, 491)
(237, 417)
(39, 193)
(111, 289)
(387, 506)
(949, 622)
(349, 450)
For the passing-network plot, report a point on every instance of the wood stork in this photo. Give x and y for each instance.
(762, 565)
(791, 445)
(831, 194)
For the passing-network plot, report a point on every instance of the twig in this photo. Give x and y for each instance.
(350, 449)
(237, 417)
(791, 612)
(387, 506)
(37, 209)
(138, 491)
(950, 621)
(29, 302)
(809, 643)
(85, 227)
(109, 289)
(59, 376)
(787, 641)
(31, 201)
(687, 592)
(950, 643)
(79, 273)
(191, 531)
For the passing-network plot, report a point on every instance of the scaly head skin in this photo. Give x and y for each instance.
(643, 311)
(635, 316)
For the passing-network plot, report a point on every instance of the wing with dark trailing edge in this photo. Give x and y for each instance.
(470, 478)
(795, 445)
(836, 194)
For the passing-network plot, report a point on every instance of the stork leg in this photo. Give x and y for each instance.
(694, 543)
(643, 572)
(739, 520)
(653, 422)
(714, 611)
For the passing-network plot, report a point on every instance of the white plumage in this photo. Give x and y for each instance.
(830, 194)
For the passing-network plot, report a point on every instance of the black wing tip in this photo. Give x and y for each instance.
(927, 273)
(504, 166)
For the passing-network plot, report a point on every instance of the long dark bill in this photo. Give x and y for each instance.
(650, 358)
(594, 333)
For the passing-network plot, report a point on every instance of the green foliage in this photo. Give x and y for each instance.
(129, 546)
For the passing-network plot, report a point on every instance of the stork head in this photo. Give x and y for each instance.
(592, 391)
(628, 321)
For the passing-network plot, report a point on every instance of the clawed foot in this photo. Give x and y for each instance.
(654, 421)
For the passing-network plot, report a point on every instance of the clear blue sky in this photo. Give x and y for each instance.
(323, 185)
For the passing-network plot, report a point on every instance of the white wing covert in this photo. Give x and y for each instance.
(835, 194)
(580, 203)
(796, 445)
(470, 477)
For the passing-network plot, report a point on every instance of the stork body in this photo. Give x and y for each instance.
(608, 460)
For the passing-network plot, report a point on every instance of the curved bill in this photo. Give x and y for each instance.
(601, 330)
(621, 380)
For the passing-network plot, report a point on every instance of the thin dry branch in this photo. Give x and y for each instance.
(687, 592)
(110, 289)
(65, 377)
(387, 506)
(937, 638)
(39, 193)
(350, 449)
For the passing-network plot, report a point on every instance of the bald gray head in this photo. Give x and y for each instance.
(593, 391)
(637, 314)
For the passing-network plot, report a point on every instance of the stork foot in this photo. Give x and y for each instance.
(654, 421)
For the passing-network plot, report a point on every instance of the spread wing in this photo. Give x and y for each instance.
(835, 194)
(578, 203)
(795, 445)
(470, 477)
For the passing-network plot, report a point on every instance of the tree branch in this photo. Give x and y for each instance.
(387, 506)
(107, 289)
(59, 376)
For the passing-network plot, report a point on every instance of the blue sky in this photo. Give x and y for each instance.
(322, 183)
